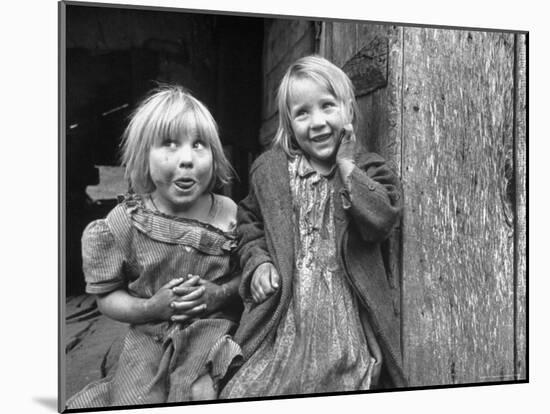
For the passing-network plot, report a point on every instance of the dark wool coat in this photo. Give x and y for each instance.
(364, 217)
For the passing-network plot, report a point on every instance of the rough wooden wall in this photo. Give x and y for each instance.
(458, 234)
(285, 40)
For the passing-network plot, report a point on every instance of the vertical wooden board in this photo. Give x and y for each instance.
(295, 45)
(280, 38)
(379, 126)
(458, 293)
(520, 151)
(344, 42)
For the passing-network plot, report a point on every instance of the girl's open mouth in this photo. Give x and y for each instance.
(184, 184)
(321, 138)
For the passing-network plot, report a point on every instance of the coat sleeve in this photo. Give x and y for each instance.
(373, 198)
(252, 247)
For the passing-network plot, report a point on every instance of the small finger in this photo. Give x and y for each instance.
(191, 280)
(184, 290)
(184, 305)
(260, 292)
(174, 282)
(274, 278)
(180, 318)
(194, 311)
(195, 294)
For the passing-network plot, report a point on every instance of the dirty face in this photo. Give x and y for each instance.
(181, 170)
(316, 117)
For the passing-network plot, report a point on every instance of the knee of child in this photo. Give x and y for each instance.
(204, 389)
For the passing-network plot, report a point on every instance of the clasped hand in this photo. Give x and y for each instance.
(182, 299)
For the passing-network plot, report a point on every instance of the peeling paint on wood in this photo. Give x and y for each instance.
(458, 282)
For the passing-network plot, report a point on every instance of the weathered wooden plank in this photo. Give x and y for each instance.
(380, 111)
(281, 35)
(458, 287)
(368, 67)
(344, 42)
(268, 129)
(520, 152)
(301, 46)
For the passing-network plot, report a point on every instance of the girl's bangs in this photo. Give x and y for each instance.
(172, 124)
(185, 121)
(205, 127)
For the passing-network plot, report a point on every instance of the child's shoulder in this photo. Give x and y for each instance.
(105, 227)
(226, 215)
(272, 157)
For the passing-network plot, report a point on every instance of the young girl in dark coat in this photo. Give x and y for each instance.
(318, 309)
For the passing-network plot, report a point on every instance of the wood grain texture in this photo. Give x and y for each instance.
(458, 281)
(288, 45)
(368, 67)
(380, 112)
(280, 38)
(520, 150)
(344, 42)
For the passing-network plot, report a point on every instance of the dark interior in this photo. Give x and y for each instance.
(115, 56)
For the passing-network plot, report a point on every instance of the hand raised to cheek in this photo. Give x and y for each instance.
(346, 149)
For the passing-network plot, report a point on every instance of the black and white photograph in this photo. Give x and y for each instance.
(271, 206)
(276, 206)
(288, 206)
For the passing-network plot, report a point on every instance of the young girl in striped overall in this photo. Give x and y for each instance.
(161, 260)
(318, 307)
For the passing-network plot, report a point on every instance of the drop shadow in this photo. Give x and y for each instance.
(47, 402)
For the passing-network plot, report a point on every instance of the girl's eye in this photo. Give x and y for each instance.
(199, 144)
(300, 113)
(328, 105)
(170, 143)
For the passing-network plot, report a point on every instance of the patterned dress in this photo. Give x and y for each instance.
(140, 250)
(320, 345)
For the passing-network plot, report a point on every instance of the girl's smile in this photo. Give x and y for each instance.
(317, 120)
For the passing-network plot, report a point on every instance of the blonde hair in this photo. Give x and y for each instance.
(168, 111)
(324, 73)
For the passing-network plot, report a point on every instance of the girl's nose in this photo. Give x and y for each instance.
(318, 119)
(185, 157)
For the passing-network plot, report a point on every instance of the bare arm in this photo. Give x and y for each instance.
(121, 306)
